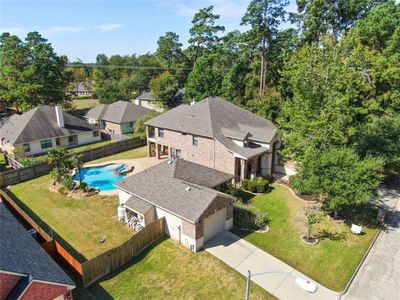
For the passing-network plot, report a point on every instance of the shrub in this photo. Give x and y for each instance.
(245, 184)
(62, 190)
(83, 186)
(249, 217)
(262, 185)
(231, 190)
(252, 185)
(68, 182)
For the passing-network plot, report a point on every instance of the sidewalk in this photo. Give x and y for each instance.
(243, 256)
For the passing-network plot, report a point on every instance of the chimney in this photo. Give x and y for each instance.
(60, 116)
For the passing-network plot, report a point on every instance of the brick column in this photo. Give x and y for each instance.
(148, 142)
(158, 151)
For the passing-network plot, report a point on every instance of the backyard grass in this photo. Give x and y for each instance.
(84, 103)
(90, 146)
(331, 262)
(81, 223)
(3, 166)
(133, 153)
(169, 271)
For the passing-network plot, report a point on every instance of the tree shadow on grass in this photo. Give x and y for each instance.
(246, 197)
(363, 215)
(333, 236)
(96, 291)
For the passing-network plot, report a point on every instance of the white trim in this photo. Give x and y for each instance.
(55, 283)
(13, 273)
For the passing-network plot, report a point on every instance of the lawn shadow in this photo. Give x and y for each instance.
(363, 215)
(47, 228)
(333, 236)
(246, 197)
(96, 291)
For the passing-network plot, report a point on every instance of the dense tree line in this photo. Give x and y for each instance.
(331, 83)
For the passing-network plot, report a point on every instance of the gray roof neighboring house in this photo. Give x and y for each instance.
(221, 120)
(118, 112)
(167, 186)
(41, 123)
(138, 205)
(20, 253)
(178, 99)
(82, 87)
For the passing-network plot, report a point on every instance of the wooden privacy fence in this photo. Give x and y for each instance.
(16, 176)
(102, 264)
(118, 256)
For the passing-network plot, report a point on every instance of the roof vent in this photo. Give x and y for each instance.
(188, 188)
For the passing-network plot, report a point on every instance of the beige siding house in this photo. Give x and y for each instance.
(119, 117)
(185, 194)
(147, 100)
(43, 128)
(217, 134)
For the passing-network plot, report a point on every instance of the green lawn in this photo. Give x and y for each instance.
(90, 146)
(81, 223)
(331, 262)
(170, 271)
(134, 153)
(84, 103)
(3, 166)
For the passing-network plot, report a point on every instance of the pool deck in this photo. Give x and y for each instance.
(139, 164)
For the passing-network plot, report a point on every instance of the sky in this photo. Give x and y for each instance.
(81, 29)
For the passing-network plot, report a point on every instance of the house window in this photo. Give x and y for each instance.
(195, 140)
(45, 144)
(176, 153)
(95, 133)
(160, 132)
(26, 147)
(71, 139)
(131, 124)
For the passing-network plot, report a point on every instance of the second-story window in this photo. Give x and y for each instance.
(195, 140)
(160, 132)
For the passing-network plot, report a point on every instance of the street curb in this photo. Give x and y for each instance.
(343, 293)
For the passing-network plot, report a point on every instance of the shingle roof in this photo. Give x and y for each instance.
(118, 112)
(138, 205)
(41, 123)
(166, 188)
(199, 174)
(212, 118)
(178, 99)
(20, 253)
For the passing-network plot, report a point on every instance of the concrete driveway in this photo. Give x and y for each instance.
(243, 256)
(379, 276)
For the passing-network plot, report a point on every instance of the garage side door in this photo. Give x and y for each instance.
(214, 224)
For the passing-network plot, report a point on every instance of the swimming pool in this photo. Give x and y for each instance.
(102, 177)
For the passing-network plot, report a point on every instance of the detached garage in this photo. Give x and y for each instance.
(194, 212)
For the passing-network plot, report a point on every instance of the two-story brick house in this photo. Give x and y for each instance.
(217, 134)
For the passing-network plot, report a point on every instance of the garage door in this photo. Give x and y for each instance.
(214, 224)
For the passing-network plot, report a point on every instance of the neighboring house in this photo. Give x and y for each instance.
(43, 128)
(82, 89)
(26, 270)
(217, 134)
(147, 100)
(182, 192)
(119, 117)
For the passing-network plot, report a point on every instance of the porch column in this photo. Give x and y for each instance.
(158, 151)
(243, 169)
(254, 166)
(148, 142)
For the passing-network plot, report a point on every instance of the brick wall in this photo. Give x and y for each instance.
(208, 152)
(7, 282)
(113, 127)
(43, 291)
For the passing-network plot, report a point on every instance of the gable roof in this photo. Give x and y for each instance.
(41, 123)
(216, 118)
(178, 98)
(20, 253)
(118, 112)
(167, 186)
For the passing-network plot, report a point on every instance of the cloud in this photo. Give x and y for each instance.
(13, 28)
(109, 26)
(62, 29)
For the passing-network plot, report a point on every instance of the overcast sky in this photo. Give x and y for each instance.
(82, 29)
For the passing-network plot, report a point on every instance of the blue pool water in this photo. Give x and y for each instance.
(101, 177)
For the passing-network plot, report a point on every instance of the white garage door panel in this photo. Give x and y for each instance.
(214, 224)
